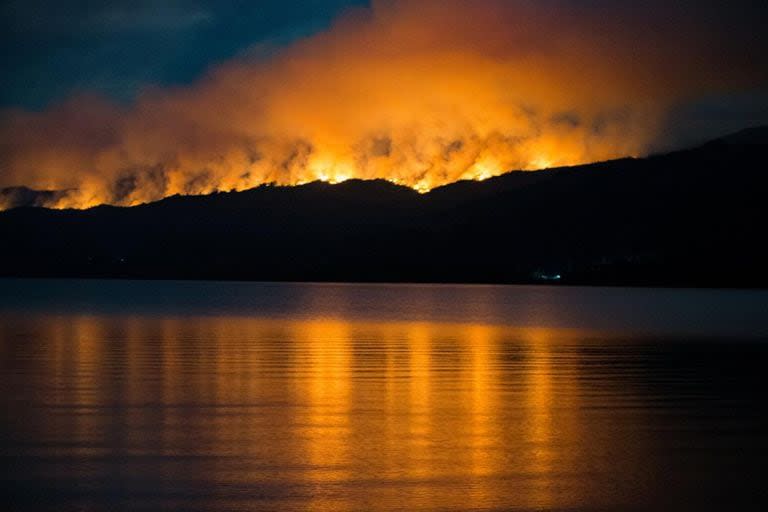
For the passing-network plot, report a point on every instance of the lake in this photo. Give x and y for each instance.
(129, 395)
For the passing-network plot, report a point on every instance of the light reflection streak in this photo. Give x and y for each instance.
(424, 413)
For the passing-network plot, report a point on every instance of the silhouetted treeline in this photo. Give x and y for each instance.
(692, 218)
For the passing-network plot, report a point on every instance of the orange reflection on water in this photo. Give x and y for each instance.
(326, 361)
(420, 401)
(540, 402)
(347, 414)
(554, 423)
(483, 415)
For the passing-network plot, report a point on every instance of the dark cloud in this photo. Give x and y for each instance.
(567, 119)
(40, 18)
(116, 47)
(55, 48)
(707, 117)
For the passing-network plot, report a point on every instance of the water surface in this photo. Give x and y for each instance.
(120, 395)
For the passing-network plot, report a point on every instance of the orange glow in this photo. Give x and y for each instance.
(344, 408)
(418, 93)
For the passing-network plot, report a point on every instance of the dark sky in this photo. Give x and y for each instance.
(54, 49)
(115, 46)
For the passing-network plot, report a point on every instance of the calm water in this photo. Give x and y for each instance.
(120, 395)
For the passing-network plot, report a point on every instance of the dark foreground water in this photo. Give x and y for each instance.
(234, 396)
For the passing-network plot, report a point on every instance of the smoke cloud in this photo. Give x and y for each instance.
(421, 93)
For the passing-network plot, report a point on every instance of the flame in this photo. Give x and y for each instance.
(418, 93)
(541, 162)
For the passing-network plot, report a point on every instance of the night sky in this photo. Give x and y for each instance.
(116, 47)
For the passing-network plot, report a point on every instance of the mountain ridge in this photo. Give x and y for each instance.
(688, 218)
(22, 196)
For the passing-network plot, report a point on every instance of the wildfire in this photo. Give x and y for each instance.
(417, 93)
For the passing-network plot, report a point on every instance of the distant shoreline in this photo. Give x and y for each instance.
(693, 218)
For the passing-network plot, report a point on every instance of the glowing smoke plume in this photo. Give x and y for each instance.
(420, 93)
